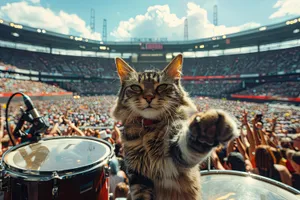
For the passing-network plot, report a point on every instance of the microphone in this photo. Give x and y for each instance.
(30, 108)
(39, 124)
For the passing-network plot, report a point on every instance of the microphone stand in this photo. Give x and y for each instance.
(18, 132)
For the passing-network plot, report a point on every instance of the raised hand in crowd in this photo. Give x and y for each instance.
(72, 128)
(245, 118)
(274, 122)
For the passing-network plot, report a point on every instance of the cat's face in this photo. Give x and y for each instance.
(150, 94)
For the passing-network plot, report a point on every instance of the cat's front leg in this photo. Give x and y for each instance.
(141, 187)
(206, 130)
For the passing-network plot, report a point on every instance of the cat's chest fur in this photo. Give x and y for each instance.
(149, 155)
(147, 151)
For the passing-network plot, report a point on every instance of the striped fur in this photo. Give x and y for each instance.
(162, 159)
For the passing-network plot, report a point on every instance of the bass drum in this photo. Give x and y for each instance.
(234, 185)
(57, 168)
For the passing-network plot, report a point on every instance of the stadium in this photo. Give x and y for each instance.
(73, 82)
(86, 67)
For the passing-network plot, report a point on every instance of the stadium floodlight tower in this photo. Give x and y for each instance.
(215, 17)
(104, 30)
(92, 20)
(186, 29)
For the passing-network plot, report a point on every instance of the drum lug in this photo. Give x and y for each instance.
(106, 171)
(56, 178)
(54, 192)
(4, 184)
(4, 180)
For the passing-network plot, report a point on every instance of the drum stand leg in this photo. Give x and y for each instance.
(208, 163)
(55, 185)
(4, 180)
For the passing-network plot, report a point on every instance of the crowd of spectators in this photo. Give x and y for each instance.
(275, 89)
(22, 59)
(207, 88)
(267, 62)
(195, 88)
(268, 144)
(7, 66)
(270, 135)
(86, 66)
(211, 88)
(259, 150)
(67, 65)
(198, 88)
(287, 116)
(104, 87)
(15, 85)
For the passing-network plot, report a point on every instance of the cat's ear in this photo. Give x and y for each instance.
(123, 68)
(174, 68)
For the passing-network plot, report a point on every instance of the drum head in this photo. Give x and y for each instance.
(57, 154)
(224, 185)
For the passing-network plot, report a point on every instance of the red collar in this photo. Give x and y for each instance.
(147, 122)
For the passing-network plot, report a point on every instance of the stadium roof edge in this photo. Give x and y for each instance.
(283, 31)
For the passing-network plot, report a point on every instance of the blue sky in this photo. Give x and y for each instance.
(144, 18)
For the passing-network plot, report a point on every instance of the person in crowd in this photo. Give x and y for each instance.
(218, 156)
(235, 161)
(266, 166)
(116, 175)
(121, 191)
(294, 158)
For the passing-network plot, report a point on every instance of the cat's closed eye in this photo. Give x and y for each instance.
(161, 88)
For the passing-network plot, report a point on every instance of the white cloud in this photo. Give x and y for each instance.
(35, 1)
(285, 8)
(40, 17)
(158, 21)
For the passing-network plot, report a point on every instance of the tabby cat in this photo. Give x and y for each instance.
(164, 137)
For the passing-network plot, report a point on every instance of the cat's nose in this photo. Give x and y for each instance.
(149, 98)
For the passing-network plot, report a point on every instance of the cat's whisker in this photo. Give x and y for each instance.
(169, 112)
(129, 115)
(167, 131)
(108, 101)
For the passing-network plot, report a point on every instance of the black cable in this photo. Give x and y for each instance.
(6, 116)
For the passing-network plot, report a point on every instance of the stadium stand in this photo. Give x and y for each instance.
(93, 87)
(212, 88)
(285, 89)
(286, 60)
(13, 85)
(269, 62)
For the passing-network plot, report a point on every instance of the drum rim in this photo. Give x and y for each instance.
(61, 173)
(254, 176)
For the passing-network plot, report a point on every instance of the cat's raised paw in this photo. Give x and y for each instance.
(209, 129)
